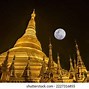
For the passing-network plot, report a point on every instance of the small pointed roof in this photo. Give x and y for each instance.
(5, 63)
(27, 72)
(12, 68)
(71, 65)
(50, 62)
(12, 65)
(43, 68)
(75, 64)
(58, 64)
(79, 59)
(50, 50)
(50, 45)
(58, 61)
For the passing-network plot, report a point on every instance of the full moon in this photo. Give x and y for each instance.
(59, 34)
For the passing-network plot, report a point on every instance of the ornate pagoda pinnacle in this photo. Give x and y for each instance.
(31, 26)
(79, 59)
(80, 64)
(75, 64)
(12, 68)
(43, 68)
(27, 72)
(50, 62)
(50, 50)
(5, 63)
(58, 64)
(4, 68)
(71, 65)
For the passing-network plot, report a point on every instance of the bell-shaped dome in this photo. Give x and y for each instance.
(27, 41)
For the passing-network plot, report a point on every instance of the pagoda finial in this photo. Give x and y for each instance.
(76, 45)
(50, 49)
(50, 62)
(43, 68)
(31, 23)
(50, 45)
(31, 28)
(58, 59)
(33, 14)
(75, 64)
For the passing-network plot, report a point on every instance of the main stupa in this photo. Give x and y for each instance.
(27, 51)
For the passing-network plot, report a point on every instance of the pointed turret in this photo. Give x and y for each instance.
(12, 68)
(27, 72)
(80, 69)
(80, 62)
(5, 63)
(75, 66)
(72, 71)
(79, 59)
(4, 68)
(59, 69)
(71, 66)
(43, 68)
(58, 65)
(43, 71)
(50, 62)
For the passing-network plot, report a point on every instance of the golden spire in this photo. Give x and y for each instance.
(31, 25)
(71, 65)
(50, 62)
(50, 50)
(79, 59)
(75, 64)
(4, 68)
(58, 59)
(32, 20)
(43, 68)
(12, 68)
(5, 63)
(58, 64)
(77, 49)
(27, 72)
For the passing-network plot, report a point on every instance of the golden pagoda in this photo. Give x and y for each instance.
(26, 47)
(26, 62)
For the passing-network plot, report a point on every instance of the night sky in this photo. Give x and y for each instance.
(71, 15)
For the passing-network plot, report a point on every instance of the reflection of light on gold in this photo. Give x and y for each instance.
(27, 46)
(28, 50)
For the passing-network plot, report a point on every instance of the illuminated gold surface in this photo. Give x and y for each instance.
(26, 46)
(27, 49)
